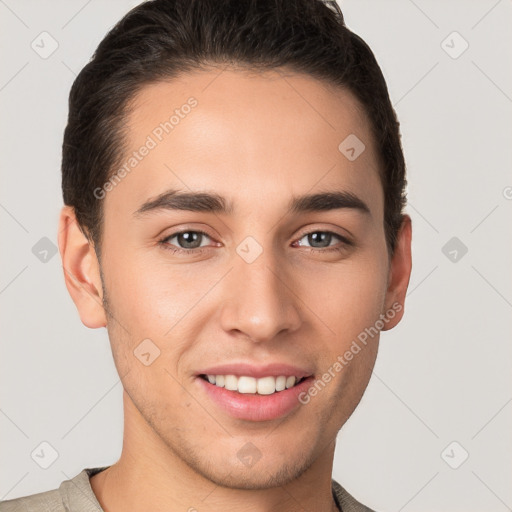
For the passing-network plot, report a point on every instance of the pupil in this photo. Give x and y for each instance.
(321, 236)
(189, 239)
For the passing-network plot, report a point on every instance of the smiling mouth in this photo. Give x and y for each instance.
(250, 385)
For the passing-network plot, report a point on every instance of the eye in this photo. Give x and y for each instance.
(185, 241)
(322, 240)
(193, 241)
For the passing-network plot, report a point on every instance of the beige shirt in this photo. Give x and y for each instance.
(76, 495)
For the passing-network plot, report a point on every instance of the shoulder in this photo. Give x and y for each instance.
(73, 495)
(43, 501)
(346, 501)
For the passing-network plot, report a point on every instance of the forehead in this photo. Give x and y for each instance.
(256, 136)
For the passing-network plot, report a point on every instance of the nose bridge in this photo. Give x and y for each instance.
(259, 302)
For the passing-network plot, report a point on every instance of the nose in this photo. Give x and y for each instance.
(259, 300)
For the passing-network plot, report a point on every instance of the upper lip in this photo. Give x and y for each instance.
(274, 370)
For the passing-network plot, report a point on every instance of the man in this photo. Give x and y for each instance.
(234, 185)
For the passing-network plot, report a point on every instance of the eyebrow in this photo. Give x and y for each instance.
(211, 202)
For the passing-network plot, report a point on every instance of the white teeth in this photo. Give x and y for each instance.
(266, 385)
(245, 384)
(280, 383)
(231, 382)
(290, 381)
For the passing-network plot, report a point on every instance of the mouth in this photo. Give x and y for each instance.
(254, 399)
(247, 385)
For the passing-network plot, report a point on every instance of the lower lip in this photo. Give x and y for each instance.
(254, 407)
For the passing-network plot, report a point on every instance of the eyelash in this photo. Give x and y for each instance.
(199, 250)
(178, 250)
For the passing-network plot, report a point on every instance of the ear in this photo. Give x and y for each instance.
(81, 270)
(399, 274)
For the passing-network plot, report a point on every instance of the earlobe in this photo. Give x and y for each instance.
(81, 270)
(399, 275)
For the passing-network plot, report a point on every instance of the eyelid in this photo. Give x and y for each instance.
(183, 227)
(344, 238)
(187, 230)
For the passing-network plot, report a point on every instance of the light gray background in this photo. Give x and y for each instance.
(443, 375)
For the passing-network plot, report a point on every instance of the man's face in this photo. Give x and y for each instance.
(264, 286)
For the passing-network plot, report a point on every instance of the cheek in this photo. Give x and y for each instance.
(163, 303)
(348, 299)
(150, 299)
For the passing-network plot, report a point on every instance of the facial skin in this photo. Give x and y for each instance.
(257, 141)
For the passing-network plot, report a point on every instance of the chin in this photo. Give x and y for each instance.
(260, 476)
